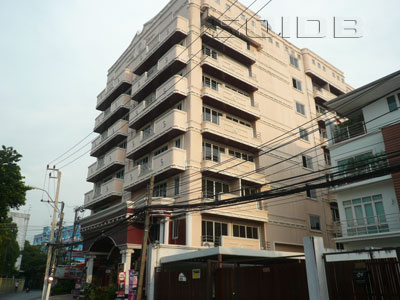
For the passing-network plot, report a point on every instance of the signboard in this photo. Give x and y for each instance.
(121, 284)
(133, 282)
(196, 273)
(182, 277)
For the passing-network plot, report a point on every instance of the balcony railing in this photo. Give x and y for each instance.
(116, 133)
(176, 85)
(172, 160)
(211, 240)
(108, 190)
(233, 167)
(118, 108)
(323, 94)
(174, 123)
(233, 134)
(176, 53)
(121, 81)
(110, 162)
(386, 223)
(342, 133)
(167, 31)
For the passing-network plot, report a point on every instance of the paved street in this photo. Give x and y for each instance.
(33, 295)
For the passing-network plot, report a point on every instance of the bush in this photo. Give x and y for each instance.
(63, 287)
(99, 293)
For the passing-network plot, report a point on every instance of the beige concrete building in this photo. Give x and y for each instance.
(196, 100)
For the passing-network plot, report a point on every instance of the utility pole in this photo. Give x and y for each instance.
(77, 210)
(53, 225)
(144, 243)
(54, 256)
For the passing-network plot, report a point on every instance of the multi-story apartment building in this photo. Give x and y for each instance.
(368, 141)
(22, 220)
(196, 100)
(43, 238)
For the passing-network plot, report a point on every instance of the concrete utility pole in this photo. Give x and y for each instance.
(144, 243)
(53, 225)
(54, 256)
(77, 210)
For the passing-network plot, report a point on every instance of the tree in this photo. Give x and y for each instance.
(9, 249)
(33, 265)
(12, 186)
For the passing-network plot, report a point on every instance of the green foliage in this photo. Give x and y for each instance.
(92, 292)
(34, 265)
(9, 249)
(12, 186)
(62, 287)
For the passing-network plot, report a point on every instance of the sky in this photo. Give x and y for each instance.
(54, 57)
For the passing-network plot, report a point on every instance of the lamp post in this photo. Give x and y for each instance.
(46, 283)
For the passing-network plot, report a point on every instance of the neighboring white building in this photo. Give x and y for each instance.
(368, 209)
(22, 220)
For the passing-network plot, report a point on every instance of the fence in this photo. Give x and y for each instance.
(7, 285)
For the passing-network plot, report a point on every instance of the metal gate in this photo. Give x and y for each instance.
(365, 279)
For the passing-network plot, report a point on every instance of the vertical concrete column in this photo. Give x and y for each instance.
(166, 231)
(315, 266)
(89, 267)
(188, 229)
(126, 260)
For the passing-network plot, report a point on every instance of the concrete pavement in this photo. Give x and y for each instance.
(33, 295)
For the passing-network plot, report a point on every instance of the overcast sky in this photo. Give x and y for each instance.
(55, 56)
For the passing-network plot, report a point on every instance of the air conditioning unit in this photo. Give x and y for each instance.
(208, 244)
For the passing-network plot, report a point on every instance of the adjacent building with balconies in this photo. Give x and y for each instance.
(368, 141)
(200, 103)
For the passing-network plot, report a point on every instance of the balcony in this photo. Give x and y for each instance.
(230, 72)
(232, 134)
(231, 102)
(155, 201)
(165, 97)
(170, 35)
(108, 164)
(343, 133)
(117, 110)
(163, 130)
(108, 191)
(233, 168)
(115, 87)
(162, 166)
(110, 138)
(370, 227)
(167, 66)
(322, 94)
(228, 44)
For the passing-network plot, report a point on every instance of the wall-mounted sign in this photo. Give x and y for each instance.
(182, 277)
(196, 273)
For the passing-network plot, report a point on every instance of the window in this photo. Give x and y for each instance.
(303, 134)
(355, 165)
(277, 44)
(175, 226)
(311, 193)
(146, 131)
(253, 23)
(120, 174)
(227, 6)
(296, 84)
(211, 115)
(212, 231)
(319, 65)
(391, 100)
(242, 17)
(323, 68)
(144, 164)
(211, 83)
(315, 222)
(160, 190)
(243, 231)
(246, 191)
(161, 150)
(178, 143)
(307, 161)
(238, 121)
(335, 214)
(122, 145)
(209, 52)
(212, 188)
(313, 61)
(294, 61)
(241, 155)
(365, 215)
(300, 108)
(212, 152)
(176, 185)
(270, 39)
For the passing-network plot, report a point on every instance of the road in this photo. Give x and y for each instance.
(33, 295)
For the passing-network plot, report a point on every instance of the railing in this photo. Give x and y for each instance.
(323, 93)
(341, 134)
(370, 225)
(124, 76)
(113, 186)
(215, 240)
(121, 101)
(119, 127)
(116, 155)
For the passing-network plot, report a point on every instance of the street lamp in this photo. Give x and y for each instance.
(47, 282)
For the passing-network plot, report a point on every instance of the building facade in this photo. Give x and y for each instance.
(200, 103)
(368, 141)
(67, 232)
(22, 221)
